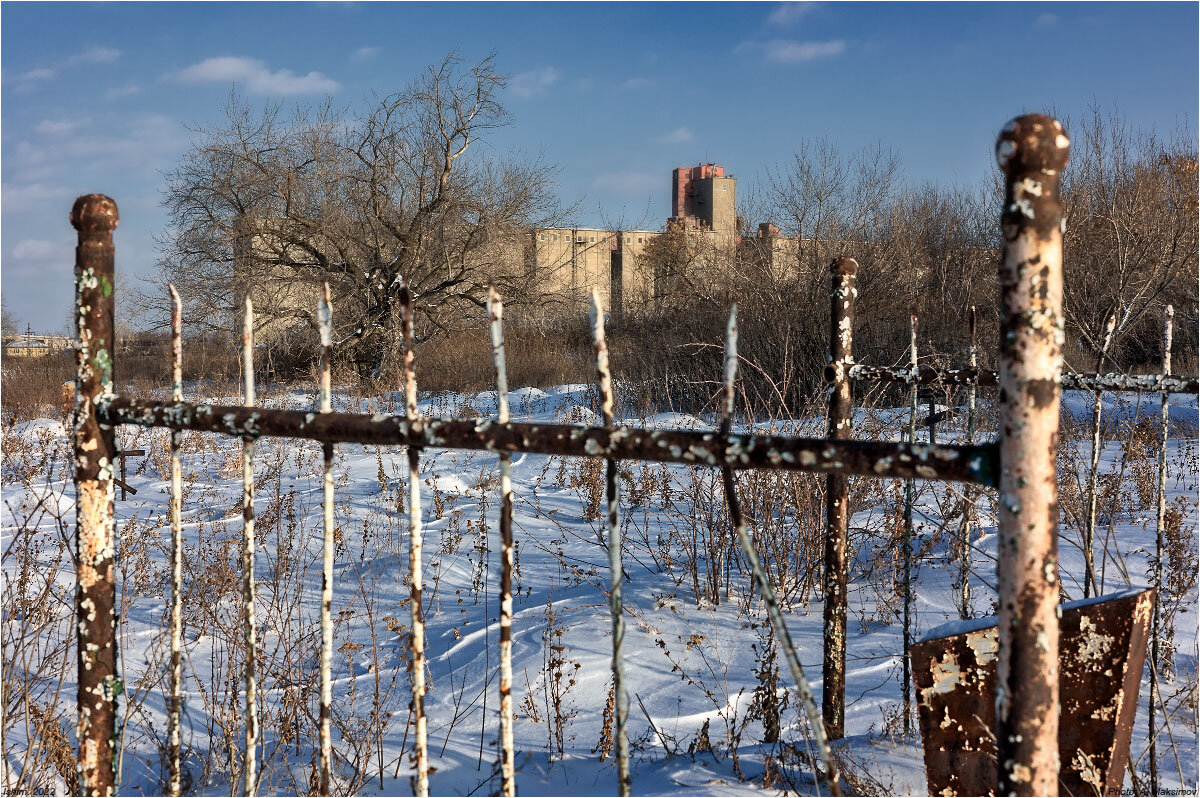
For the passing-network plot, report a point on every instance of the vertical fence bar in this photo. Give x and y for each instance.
(420, 742)
(1168, 335)
(95, 217)
(909, 498)
(250, 770)
(612, 492)
(325, 324)
(507, 757)
(782, 635)
(1089, 529)
(1032, 151)
(837, 495)
(964, 562)
(174, 785)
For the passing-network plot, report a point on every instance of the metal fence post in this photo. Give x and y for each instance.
(175, 703)
(95, 217)
(413, 418)
(613, 496)
(1168, 334)
(508, 787)
(907, 545)
(837, 495)
(964, 572)
(1032, 151)
(1089, 529)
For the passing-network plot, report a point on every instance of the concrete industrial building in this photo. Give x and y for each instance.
(568, 262)
(573, 261)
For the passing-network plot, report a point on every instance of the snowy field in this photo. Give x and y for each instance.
(696, 681)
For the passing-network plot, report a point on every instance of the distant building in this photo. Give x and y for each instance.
(31, 345)
(568, 262)
(703, 205)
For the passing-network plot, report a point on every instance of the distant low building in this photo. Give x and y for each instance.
(31, 345)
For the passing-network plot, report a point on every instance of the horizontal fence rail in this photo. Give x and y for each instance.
(986, 378)
(958, 463)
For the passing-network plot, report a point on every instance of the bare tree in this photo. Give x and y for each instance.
(366, 201)
(1131, 240)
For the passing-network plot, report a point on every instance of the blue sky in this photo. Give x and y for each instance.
(94, 98)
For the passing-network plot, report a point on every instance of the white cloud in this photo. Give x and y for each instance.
(364, 53)
(36, 258)
(53, 126)
(628, 181)
(117, 92)
(143, 142)
(256, 77)
(789, 13)
(96, 55)
(38, 74)
(533, 82)
(36, 249)
(639, 83)
(16, 198)
(679, 135)
(786, 51)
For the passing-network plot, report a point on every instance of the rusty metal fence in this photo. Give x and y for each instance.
(1032, 151)
(843, 371)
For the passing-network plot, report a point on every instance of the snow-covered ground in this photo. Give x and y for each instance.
(692, 667)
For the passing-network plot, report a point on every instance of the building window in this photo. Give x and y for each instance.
(639, 239)
(579, 239)
(591, 239)
(628, 239)
(554, 239)
(541, 237)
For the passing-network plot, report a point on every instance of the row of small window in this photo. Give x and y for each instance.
(579, 239)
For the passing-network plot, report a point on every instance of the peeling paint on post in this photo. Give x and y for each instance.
(325, 325)
(883, 460)
(507, 757)
(175, 703)
(416, 571)
(1089, 529)
(612, 492)
(249, 622)
(909, 498)
(968, 511)
(1071, 381)
(1032, 151)
(95, 217)
(837, 495)
(1168, 335)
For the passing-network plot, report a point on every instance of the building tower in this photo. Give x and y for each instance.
(704, 197)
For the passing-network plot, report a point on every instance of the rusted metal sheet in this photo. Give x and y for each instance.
(1101, 655)
(99, 684)
(1071, 381)
(837, 496)
(778, 452)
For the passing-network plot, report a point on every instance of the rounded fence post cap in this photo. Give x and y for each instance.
(844, 266)
(1033, 143)
(94, 213)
